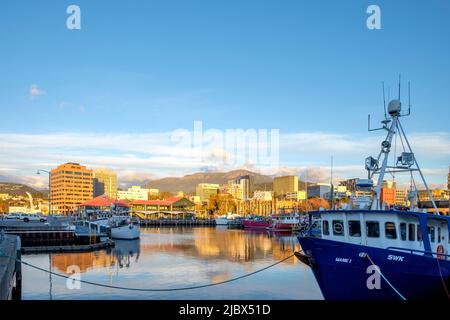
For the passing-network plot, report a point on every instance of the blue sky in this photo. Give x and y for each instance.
(311, 69)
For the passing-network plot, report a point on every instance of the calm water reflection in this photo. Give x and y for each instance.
(179, 257)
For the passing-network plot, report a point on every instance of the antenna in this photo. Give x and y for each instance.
(409, 97)
(384, 102)
(399, 80)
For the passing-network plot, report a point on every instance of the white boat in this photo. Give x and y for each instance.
(223, 220)
(122, 226)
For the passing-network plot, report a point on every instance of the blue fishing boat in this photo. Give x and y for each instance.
(369, 250)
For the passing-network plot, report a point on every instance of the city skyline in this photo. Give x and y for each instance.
(112, 94)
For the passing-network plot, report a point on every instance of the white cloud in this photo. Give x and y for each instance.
(35, 91)
(141, 156)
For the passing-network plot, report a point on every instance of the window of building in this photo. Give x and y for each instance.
(403, 231)
(354, 228)
(326, 227)
(412, 232)
(373, 229)
(390, 231)
(338, 227)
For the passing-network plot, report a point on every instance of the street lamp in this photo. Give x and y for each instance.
(49, 191)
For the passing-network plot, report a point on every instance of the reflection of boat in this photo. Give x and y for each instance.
(125, 250)
(256, 223)
(370, 251)
(285, 222)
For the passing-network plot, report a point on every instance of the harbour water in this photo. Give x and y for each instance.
(167, 258)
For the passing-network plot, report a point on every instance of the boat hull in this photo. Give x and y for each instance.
(128, 232)
(344, 272)
(249, 224)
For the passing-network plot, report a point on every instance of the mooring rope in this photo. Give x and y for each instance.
(385, 279)
(147, 289)
(442, 278)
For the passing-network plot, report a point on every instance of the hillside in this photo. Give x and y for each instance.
(18, 189)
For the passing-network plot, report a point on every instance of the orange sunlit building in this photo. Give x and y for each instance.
(71, 184)
(388, 196)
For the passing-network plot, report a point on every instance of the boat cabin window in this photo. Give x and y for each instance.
(412, 232)
(338, 227)
(389, 229)
(403, 231)
(373, 229)
(419, 234)
(354, 228)
(326, 227)
(439, 235)
(432, 234)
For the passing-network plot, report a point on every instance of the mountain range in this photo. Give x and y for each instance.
(188, 183)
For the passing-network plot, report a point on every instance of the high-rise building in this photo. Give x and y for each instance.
(319, 190)
(133, 193)
(205, 190)
(246, 183)
(105, 183)
(284, 185)
(71, 184)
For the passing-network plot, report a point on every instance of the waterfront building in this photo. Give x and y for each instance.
(438, 195)
(401, 197)
(262, 195)
(296, 195)
(105, 183)
(319, 190)
(233, 188)
(195, 199)
(71, 184)
(89, 208)
(205, 190)
(350, 184)
(284, 185)
(175, 207)
(4, 196)
(388, 196)
(154, 192)
(133, 193)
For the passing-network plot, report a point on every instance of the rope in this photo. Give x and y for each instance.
(146, 289)
(385, 279)
(442, 278)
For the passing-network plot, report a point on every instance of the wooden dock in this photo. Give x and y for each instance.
(178, 222)
(10, 268)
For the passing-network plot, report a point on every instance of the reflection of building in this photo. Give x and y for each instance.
(133, 193)
(71, 184)
(205, 190)
(105, 182)
(284, 185)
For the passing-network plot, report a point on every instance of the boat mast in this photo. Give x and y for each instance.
(406, 162)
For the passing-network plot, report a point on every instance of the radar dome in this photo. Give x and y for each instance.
(394, 107)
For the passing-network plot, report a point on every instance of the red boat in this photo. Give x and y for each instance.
(285, 222)
(256, 223)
